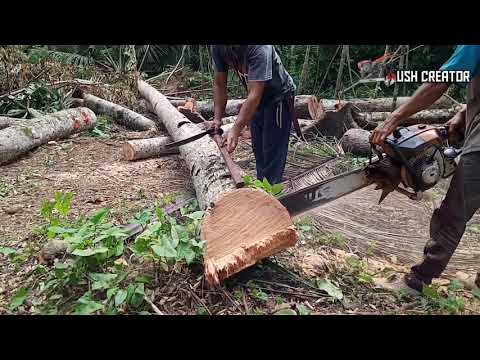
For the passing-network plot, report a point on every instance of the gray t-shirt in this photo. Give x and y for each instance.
(261, 63)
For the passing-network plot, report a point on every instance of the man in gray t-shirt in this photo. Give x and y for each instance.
(448, 222)
(268, 109)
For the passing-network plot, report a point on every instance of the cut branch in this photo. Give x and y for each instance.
(119, 114)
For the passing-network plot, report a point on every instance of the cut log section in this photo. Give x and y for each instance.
(17, 140)
(334, 123)
(147, 148)
(306, 106)
(245, 226)
(189, 110)
(356, 142)
(119, 114)
(209, 174)
(383, 104)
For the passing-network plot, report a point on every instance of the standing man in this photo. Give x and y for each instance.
(448, 223)
(268, 109)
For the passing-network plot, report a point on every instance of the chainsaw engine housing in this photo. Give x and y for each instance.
(418, 151)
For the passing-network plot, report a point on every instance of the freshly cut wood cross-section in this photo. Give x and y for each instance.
(245, 226)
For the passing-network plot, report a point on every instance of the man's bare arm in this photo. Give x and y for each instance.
(220, 97)
(247, 111)
(423, 98)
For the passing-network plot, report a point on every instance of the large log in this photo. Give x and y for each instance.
(17, 140)
(242, 225)
(334, 123)
(147, 148)
(383, 104)
(209, 175)
(119, 114)
(306, 107)
(370, 121)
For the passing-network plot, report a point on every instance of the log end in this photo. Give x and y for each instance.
(245, 226)
(128, 151)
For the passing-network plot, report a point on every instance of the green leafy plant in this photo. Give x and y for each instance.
(452, 303)
(169, 241)
(19, 298)
(334, 239)
(102, 128)
(5, 188)
(330, 288)
(275, 190)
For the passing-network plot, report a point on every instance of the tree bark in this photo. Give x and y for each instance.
(306, 107)
(343, 57)
(17, 140)
(356, 142)
(382, 104)
(147, 148)
(8, 121)
(244, 225)
(119, 114)
(435, 116)
(209, 175)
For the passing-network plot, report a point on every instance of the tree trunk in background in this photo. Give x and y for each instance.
(304, 74)
(382, 104)
(306, 106)
(291, 60)
(340, 70)
(17, 140)
(434, 116)
(400, 67)
(381, 73)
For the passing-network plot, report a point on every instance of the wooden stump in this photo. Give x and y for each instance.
(356, 142)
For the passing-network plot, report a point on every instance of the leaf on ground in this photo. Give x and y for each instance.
(99, 216)
(164, 249)
(90, 252)
(302, 310)
(331, 289)
(120, 297)
(7, 250)
(197, 215)
(19, 298)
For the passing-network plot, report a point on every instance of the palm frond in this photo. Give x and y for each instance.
(71, 58)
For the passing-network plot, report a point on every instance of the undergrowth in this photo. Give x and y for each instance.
(96, 275)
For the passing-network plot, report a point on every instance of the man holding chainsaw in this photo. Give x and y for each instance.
(448, 222)
(268, 109)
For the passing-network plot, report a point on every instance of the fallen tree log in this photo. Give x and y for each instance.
(17, 140)
(119, 114)
(306, 106)
(382, 104)
(369, 121)
(356, 142)
(242, 225)
(147, 148)
(8, 121)
(209, 175)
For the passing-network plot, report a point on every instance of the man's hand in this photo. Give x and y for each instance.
(216, 124)
(381, 132)
(456, 124)
(232, 138)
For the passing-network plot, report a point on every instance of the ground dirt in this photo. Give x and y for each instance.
(389, 236)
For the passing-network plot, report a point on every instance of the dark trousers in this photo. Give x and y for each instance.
(270, 130)
(448, 222)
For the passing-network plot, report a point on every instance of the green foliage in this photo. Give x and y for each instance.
(169, 241)
(5, 188)
(334, 239)
(330, 288)
(274, 190)
(103, 127)
(37, 99)
(19, 298)
(357, 270)
(452, 302)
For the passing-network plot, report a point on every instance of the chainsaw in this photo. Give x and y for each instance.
(412, 160)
